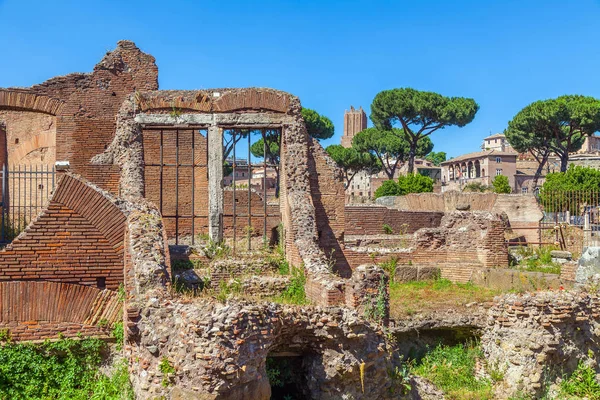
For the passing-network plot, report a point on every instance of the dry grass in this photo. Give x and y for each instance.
(410, 298)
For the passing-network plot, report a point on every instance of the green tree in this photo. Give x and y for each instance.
(258, 149)
(436, 158)
(318, 126)
(352, 161)
(501, 185)
(414, 183)
(557, 191)
(420, 114)
(556, 126)
(387, 188)
(389, 146)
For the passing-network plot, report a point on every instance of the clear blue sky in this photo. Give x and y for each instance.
(332, 54)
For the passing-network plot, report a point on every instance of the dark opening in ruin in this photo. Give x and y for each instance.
(101, 283)
(287, 376)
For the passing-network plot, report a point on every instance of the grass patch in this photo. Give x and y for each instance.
(408, 298)
(452, 369)
(64, 369)
(537, 259)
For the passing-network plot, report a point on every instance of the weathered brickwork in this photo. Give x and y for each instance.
(77, 239)
(40, 310)
(369, 220)
(537, 337)
(464, 242)
(84, 107)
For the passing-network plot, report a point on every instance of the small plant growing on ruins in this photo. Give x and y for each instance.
(175, 112)
(390, 266)
(400, 377)
(167, 369)
(295, 292)
(375, 308)
(582, 383)
(119, 334)
(121, 295)
(214, 250)
(5, 336)
(330, 260)
(103, 323)
(387, 229)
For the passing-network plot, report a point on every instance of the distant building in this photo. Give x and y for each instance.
(479, 167)
(354, 122)
(496, 142)
(591, 145)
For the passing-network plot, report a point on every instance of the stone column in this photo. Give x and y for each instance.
(215, 183)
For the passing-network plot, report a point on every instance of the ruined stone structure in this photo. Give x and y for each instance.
(111, 217)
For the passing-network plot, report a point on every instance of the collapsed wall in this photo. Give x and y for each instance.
(463, 243)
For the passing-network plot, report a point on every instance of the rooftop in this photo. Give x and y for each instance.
(480, 154)
(495, 136)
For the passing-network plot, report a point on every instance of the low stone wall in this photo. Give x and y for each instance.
(508, 279)
(535, 338)
(464, 242)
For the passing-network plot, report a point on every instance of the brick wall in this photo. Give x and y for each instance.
(39, 310)
(177, 183)
(77, 239)
(85, 106)
(257, 212)
(369, 220)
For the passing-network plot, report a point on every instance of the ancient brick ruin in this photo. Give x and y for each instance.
(146, 168)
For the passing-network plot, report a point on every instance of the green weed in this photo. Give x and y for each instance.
(452, 369)
(582, 383)
(295, 292)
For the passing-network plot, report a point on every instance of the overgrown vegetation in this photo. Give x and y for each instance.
(581, 384)
(375, 308)
(475, 187)
(452, 369)
(64, 369)
(294, 293)
(537, 259)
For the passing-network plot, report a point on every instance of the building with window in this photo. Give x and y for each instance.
(479, 167)
(496, 142)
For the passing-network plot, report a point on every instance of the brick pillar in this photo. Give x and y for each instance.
(215, 183)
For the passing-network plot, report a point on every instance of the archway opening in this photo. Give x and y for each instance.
(288, 376)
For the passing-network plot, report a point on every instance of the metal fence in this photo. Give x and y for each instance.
(576, 212)
(25, 192)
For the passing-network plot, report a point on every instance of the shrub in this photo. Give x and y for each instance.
(475, 187)
(387, 188)
(387, 229)
(64, 369)
(501, 185)
(415, 183)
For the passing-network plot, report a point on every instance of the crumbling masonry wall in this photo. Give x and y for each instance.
(84, 106)
(537, 337)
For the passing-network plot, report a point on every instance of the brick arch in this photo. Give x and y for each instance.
(46, 139)
(39, 310)
(77, 239)
(22, 100)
